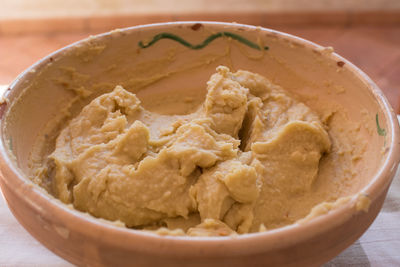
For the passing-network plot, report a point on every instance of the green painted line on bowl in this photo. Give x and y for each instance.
(10, 144)
(381, 131)
(207, 41)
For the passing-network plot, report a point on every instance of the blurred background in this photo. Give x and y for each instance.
(367, 32)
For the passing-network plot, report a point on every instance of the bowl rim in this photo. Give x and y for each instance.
(215, 246)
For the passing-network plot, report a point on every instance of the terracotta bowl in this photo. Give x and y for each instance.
(163, 59)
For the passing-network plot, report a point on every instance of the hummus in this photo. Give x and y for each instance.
(246, 160)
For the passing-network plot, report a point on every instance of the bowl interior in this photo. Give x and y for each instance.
(159, 61)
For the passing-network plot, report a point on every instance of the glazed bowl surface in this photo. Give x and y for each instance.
(158, 60)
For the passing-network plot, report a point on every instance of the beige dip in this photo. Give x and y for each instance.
(247, 160)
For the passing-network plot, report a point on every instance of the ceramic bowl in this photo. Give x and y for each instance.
(163, 59)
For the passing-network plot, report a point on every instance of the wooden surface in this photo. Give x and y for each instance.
(38, 9)
(375, 49)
